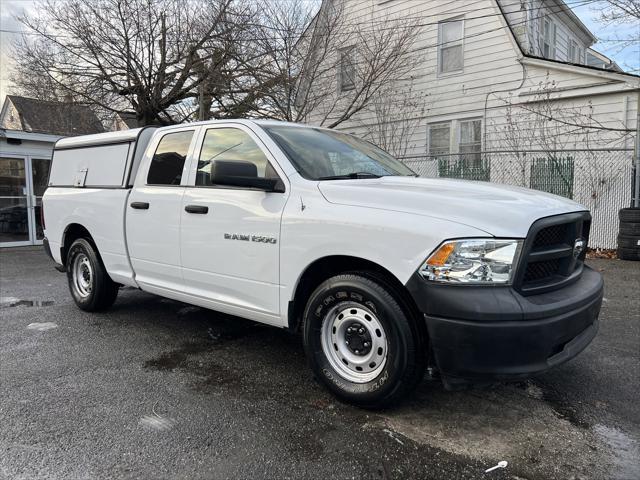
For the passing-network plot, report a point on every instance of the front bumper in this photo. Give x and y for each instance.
(481, 334)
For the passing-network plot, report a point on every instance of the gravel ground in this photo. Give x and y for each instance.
(159, 389)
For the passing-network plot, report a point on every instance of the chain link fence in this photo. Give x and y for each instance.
(601, 180)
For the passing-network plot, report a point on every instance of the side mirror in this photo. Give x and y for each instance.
(275, 185)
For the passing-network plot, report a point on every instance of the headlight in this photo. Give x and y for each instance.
(476, 260)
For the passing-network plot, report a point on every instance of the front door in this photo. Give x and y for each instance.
(230, 236)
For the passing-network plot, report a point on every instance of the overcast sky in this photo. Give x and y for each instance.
(628, 58)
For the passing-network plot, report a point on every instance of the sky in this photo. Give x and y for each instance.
(628, 58)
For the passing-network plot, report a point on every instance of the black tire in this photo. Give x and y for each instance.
(96, 291)
(629, 254)
(405, 360)
(631, 242)
(630, 214)
(628, 228)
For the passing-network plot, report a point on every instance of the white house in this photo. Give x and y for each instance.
(502, 90)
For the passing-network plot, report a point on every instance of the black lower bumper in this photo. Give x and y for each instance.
(481, 334)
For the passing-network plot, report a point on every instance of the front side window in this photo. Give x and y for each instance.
(450, 50)
(347, 69)
(230, 152)
(320, 154)
(168, 160)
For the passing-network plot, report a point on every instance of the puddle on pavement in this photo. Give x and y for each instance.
(177, 358)
(625, 449)
(502, 423)
(6, 302)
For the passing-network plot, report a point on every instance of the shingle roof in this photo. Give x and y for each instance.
(55, 118)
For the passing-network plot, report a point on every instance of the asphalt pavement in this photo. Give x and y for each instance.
(159, 389)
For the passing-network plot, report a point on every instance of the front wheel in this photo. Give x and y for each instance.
(91, 287)
(361, 343)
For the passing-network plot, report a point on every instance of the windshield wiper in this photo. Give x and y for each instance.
(351, 176)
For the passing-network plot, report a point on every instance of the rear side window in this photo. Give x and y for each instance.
(168, 161)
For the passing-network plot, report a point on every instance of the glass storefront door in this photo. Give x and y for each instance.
(23, 181)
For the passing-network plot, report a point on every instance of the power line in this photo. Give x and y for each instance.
(294, 36)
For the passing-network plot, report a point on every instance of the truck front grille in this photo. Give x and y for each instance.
(553, 235)
(538, 271)
(549, 258)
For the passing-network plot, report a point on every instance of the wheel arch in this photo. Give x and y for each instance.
(71, 233)
(329, 266)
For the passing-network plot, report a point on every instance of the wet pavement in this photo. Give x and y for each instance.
(159, 389)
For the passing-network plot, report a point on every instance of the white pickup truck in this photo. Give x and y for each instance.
(317, 231)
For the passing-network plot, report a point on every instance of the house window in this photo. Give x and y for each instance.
(470, 162)
(470, 141)
(549, 34)
(439, 139)
(450, 50)
(573, 51)
(466, 160)
(347, 69)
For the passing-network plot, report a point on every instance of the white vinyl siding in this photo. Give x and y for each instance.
(450, 46)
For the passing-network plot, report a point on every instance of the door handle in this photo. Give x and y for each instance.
(196, 209)
(140, 205)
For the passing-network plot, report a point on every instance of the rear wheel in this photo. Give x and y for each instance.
(91, 287)
(361, 343)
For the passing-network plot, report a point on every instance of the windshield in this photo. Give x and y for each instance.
(320, 154)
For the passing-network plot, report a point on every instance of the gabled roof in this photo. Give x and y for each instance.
(55, 118)
(578, 67)
(566, 10)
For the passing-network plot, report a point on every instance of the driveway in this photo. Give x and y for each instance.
(159, 389)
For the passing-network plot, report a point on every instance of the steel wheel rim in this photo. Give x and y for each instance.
(82, 272)
(340, 345)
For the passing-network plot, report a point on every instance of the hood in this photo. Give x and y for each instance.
(499, 210)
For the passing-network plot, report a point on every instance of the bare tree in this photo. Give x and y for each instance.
(147, 55)
(545, 133)
(372, 54)
(619, 11)
(397, 112)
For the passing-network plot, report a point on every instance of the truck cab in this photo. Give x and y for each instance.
(320, 232)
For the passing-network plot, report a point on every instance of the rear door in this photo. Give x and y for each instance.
(154, 211)
(231, 235)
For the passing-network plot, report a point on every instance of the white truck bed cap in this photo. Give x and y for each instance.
(98, 139)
